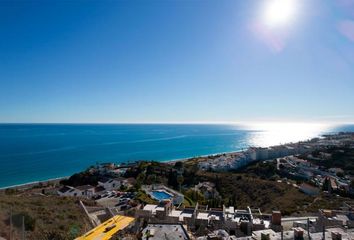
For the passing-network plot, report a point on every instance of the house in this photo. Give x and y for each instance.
(80, 191)
(207, 189)
(165, 231)
(99, 190)
(104, 168)
(129, 182)
(86, 190)
(69, 191)
(110, 183)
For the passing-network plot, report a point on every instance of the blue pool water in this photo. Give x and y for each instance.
(34, 152)
(161, 195)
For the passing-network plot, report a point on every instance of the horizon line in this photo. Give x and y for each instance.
(196, 122)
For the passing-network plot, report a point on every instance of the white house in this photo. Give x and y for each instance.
(69, 191)
(80, 191)
(86, 190)
(110, 183)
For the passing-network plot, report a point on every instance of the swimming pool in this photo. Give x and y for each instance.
(161, 195)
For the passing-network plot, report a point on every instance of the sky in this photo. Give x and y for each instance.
(176, 61)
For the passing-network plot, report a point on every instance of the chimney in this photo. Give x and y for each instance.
(276, 218)
(298, 233)
(336, 236)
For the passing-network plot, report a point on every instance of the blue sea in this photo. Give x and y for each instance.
(35, 152)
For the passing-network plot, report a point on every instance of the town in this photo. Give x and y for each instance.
(199, 198)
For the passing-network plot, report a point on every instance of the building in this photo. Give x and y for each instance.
(81, 191)
(110, 183)
(69, 191)
(86, 190)
(129, 182)
(335, 218)
(236, 222)
(165, 231)
(207, 189)
(104, 168)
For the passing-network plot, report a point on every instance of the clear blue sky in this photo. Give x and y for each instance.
(174, 61)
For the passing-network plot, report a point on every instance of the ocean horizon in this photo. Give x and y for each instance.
(38, 152)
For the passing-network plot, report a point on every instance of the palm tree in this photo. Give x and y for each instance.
(180, 180)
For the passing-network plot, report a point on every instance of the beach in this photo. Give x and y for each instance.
(30, 153)
(29, 185)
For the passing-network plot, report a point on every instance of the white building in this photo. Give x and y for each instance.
(80, 191)
(110, 183)
(69, 191)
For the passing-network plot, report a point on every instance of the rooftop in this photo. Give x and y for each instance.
(85, 187)
(165, 231)
(65, 189)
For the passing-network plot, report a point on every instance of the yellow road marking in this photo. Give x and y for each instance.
(106, 230)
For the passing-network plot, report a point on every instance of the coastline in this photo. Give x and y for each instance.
(200, 156)
(32, 184)
(53, 180)
(172, 161)
(28, 185)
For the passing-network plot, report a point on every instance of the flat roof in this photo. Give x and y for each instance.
(153, 208)
(165, 231)
(203, 216)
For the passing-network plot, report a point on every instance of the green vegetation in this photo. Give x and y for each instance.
(254, 186)
(338, 157)
(264, 170)
(242, 190)
(154, 172)
(326, 202)
(82, 178)
(45, 217)
(194, 196)
(188, 202)
(239, 189)
(144, 198)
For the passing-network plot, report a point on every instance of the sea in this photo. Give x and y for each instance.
(38, 152)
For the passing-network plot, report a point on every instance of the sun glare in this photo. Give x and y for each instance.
(278, 13)
(269, 134)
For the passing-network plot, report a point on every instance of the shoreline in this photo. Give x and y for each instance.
(53, 180)
(172, 161)
(32, 184)
(200, 156)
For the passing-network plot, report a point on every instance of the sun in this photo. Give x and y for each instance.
(278, 13)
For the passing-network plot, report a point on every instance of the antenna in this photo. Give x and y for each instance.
(308, 228)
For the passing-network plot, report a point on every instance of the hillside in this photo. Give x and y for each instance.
(46, 217)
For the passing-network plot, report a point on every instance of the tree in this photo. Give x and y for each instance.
(340, 174)
(180, 180)
(151, 179)
(29, 221)
(179, 165)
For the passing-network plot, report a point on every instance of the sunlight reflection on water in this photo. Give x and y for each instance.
(269, 134)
